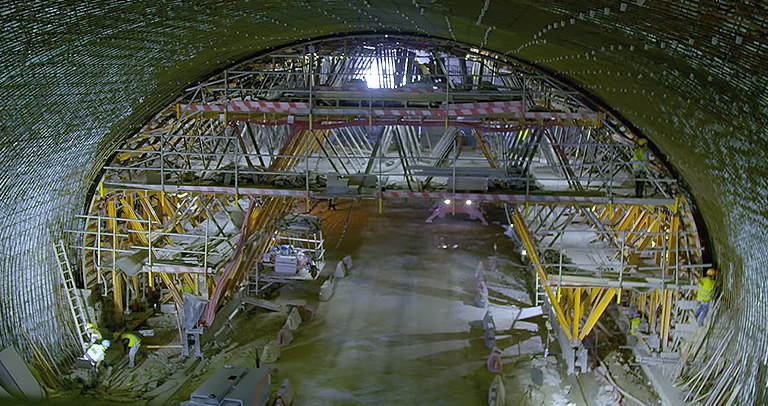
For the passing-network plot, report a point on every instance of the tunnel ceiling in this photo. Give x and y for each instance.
(79, 78)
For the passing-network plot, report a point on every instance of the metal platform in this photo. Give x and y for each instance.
(539, 197)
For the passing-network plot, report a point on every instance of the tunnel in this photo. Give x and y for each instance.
(85, 83)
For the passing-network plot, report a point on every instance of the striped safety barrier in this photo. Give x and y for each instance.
(514, 109)
(225, 190)
(254, 106)
(177, 269)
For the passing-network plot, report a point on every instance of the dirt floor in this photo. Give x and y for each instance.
(401, 328)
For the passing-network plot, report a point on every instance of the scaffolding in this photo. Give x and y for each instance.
(192, 202)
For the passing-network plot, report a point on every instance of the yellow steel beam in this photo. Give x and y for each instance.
(629, 218)
(525, 237)
(484, 147)
(666, 317)
(617, 214)
(673, 243)
(647, 235)
(596, 312)
(136, 225)
(133, 221)
(577, 311)
(117, 294)
(173, 287)
(151, 215)
(191, 282)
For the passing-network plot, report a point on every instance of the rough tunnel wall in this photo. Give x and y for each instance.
(706, 110)
(79, 78)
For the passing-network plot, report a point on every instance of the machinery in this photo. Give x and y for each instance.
(233, 386)
(296, 254)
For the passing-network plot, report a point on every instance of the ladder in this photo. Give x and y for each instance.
(74, 298)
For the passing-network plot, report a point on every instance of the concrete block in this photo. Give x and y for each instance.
(340, 272)
(270, 353)
(284, 396)
(481, 295)
(284, 336)
(348, 262)
(479, 276)
(497, 395)
(294, 319)
(488, 323)
(326, 289)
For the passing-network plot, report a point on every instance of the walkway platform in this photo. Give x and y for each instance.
(539, 197)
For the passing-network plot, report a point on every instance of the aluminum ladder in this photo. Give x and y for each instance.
(74, 298)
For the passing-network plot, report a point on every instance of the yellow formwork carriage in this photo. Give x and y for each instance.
(653, 232)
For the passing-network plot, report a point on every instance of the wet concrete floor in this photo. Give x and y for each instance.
(399, 328)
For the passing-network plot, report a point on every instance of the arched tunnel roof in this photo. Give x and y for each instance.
(78, 78)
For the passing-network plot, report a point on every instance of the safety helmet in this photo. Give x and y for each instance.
(711, 272)
(90, 325)
(106, 343)
(642, 141)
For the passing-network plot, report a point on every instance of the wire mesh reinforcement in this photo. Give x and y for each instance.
(77, 78)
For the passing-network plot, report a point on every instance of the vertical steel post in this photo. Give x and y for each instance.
(162, 162)
(311, 126)
(621, 265)
(97, 265)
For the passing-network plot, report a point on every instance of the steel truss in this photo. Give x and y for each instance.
(240, 150)
(645, 258)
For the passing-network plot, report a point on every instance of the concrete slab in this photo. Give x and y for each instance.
(16, 376)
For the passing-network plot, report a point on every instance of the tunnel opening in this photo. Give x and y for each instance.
(190, 205)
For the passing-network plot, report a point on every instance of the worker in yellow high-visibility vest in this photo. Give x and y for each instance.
(94, 334)
(706, 289)
(634, 325)
(133, 342)
(640, 158)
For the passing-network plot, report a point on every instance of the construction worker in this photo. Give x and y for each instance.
(93, 333)
(704, 294)
(132, 342)
(634, 325)
(639, 161)
(426, 76)
(96, 353)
